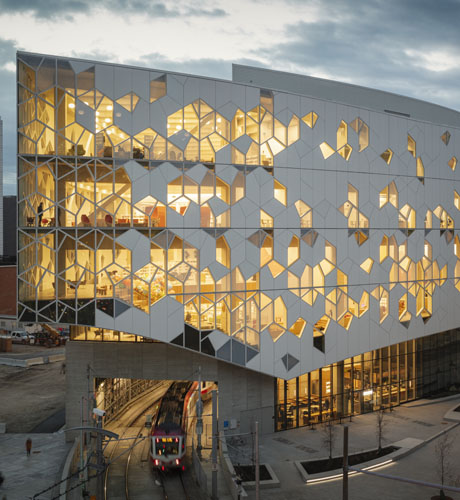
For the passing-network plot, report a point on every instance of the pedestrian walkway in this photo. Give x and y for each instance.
(408, 422)
(25, 476)
(305, 443)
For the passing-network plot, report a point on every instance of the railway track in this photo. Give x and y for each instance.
(122, 453)
(174, 487)
(128, 473)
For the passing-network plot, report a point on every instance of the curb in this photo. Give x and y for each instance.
(26, 363)
(266, 483)
(415, 404)
(372, 464)
(337, 473)
(228, 470)
(66, 470)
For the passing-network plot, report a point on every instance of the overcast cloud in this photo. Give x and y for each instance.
(54, 9)
(409, 47)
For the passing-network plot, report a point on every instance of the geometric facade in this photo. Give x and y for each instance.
(264, 227)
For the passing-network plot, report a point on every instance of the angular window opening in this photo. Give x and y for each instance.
(420, 169)
(384, 248)
(275, 268)
(393, 248)
(293, 130)
(310, 119)
(411, 146)
(326, 150)
(293, 250)
(383, 198)
(319, 331)
(175, 122)
(223, 252)
(238, 125)
(279, 192)
(353, 195)
(128, 101)
(363, 304)
(367, 265)
(280, 132)
(384, 304)
(456, 200)
(342, 135)
(266, 99)
(238, 188)
(266, 156)
(429, 219)
(445, 138)
(157, 88)
(387, 155)
(393, 194)
(298, 327)
(452, 163)
(330, 253)
(363, 137)
(404, 314)
(345, 152)
(265, 219)
(266, 251)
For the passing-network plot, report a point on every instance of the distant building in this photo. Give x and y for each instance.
(1, 186)
(9, 226)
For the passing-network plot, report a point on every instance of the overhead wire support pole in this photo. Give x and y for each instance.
(214, 445)
(256, 445)
(199, 422)
(345, 463)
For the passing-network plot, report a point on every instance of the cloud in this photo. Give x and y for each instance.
(8, 111)
(52, 9)
(408, 47)
(405, 47)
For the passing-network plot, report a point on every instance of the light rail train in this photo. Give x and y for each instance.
(168, 435)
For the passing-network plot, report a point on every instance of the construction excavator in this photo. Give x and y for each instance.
(49, 336)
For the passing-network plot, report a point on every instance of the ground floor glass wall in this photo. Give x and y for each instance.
(381, 378)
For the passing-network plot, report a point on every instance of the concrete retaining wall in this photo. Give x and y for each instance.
(26, 363)
(244, 395)
(228, 470)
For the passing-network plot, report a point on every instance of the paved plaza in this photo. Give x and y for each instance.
(420, 420)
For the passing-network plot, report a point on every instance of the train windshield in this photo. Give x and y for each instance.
(167, 446)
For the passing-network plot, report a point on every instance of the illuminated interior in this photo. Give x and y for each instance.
(79, 193)
(381, 378)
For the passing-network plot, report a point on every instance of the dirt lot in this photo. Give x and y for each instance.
(30, 395)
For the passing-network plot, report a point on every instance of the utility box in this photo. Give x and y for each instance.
(6, 344)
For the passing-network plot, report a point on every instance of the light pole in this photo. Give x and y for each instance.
(199, 412)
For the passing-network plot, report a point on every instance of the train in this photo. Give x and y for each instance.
(169, 431)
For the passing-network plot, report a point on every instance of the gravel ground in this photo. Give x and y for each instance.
(30, 395)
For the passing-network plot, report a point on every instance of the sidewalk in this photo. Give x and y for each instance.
(419, 423)
(25, 476)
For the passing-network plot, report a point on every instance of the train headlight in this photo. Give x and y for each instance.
(157, 462)
(177, 461)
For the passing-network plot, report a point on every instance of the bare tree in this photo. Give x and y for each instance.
(442, 451)
(328, 436)
(380, 431)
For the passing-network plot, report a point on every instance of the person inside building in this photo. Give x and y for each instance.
(40, 214)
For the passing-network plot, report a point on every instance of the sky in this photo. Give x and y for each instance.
(410, 47)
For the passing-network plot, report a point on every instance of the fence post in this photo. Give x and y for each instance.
(345, 463)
